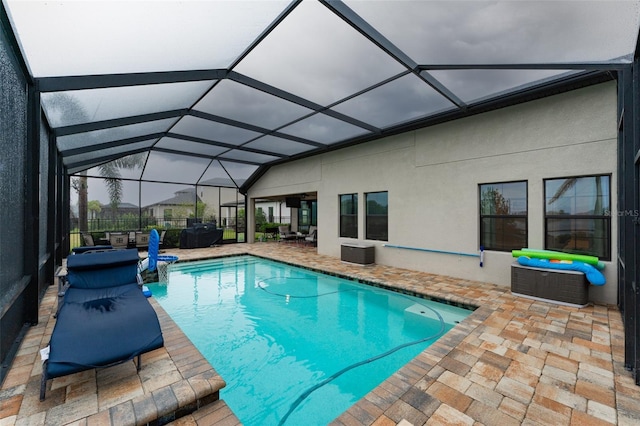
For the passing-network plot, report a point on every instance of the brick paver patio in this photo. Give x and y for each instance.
(512, 361)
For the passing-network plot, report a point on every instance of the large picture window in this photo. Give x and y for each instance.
(503, 216)
(349, 215)
(577, 218)
(376, 221)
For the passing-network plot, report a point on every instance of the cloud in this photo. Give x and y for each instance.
(314, 54)
(486, 32)
(401, 100)
(242, 103)
(101, 37)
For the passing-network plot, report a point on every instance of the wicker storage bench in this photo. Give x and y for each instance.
(364, 254)
(558, 286)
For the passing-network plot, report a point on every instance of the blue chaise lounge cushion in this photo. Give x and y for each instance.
(99, 331)
(88, 270)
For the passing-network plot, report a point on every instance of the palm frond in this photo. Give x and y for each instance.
(114, 188)
(566, 185)
(112, 177)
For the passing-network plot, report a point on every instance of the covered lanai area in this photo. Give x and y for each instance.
(430, 131)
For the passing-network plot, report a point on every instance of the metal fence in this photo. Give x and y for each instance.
(233, 231)
(137, 223)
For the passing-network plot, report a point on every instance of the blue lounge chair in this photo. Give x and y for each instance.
(104, 318)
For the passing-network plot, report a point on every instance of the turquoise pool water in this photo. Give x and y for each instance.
(296, 347)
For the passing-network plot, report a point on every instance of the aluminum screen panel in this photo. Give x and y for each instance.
(213, 131)
(507, 32)
(154, 195)
(316, 55)
(129, 167)
(113, 134)
(165, 167)
(83, 106)
(239, 102)
(45, 175)
(262, 82)
(13, 169)
(190, 147)
(216, 175)
(279, 145)
(324, 129)
(237, 171)
(89, 158)
(250, 157)
(473, 85)
(98, 189)
(102, 37)
(400, 100)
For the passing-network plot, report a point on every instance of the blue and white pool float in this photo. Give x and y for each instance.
(594, 276)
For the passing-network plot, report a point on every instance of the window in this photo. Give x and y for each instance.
(503, 216)
(168, 214)
(307, 215)
(577, 218)
(376, 222)
(349, 215)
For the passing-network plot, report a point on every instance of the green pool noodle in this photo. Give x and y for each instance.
(548, 254)
(599, 266)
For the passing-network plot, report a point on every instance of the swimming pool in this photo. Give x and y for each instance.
(295, 346)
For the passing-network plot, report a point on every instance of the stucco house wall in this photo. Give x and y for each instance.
(432, 177)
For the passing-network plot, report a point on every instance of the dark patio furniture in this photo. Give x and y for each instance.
(200, 235)
(271, 232)
(286, 234)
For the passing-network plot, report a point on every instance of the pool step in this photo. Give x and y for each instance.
(418, 315)
(421, 312)
(216, 413)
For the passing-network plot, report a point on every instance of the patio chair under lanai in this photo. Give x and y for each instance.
(312, 237)
(286, 233)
